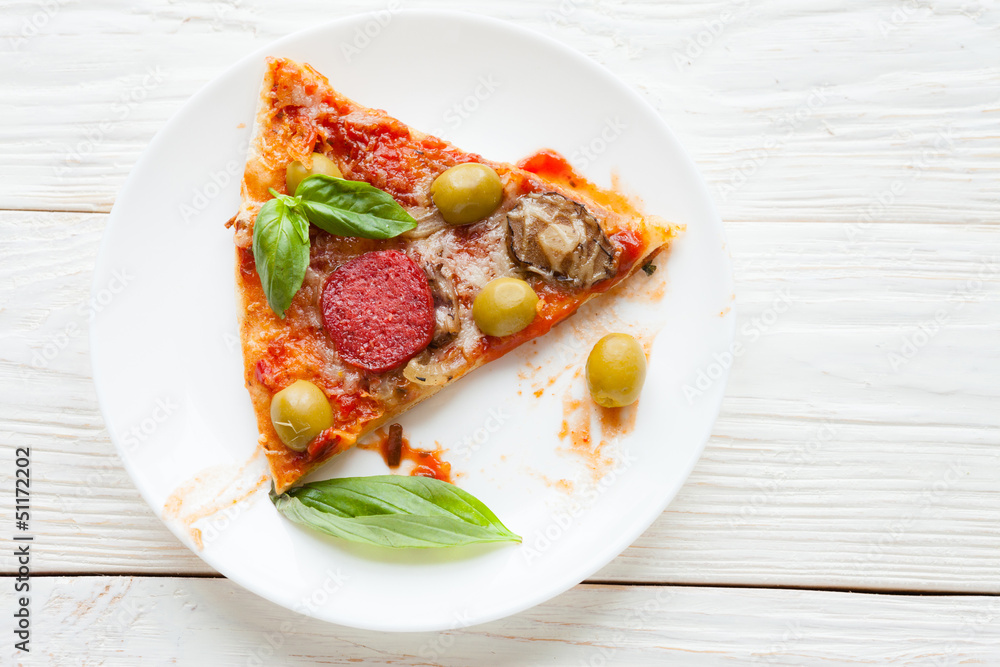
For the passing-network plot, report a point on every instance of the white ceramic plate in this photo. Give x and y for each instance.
(169, 374)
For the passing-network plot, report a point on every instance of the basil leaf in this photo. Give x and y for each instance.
(341, 207)
(393, 511)
(299, 220)
(281, 250)
(352, 208)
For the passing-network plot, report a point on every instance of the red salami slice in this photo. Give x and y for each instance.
(379, 310)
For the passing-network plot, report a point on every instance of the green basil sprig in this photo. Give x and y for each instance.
(336, 205)
(393, 511)
(281, 250)
(352, 208)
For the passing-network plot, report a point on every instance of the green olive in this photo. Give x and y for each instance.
(466, 193)
(504, 307)
(296, 171)
(616, 369)
(299, 412)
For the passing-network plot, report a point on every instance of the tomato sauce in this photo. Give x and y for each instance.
(594, 446)
(552, 166)
(425, 463)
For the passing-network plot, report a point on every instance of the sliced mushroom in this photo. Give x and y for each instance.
(558, 238)
(446, 322)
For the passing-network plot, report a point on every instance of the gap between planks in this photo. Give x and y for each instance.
(586, 582)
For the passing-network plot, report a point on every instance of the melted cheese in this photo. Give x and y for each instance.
(472, 256)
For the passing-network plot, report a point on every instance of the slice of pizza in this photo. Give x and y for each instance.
(422, 263)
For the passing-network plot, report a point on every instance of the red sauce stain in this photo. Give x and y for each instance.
(549, 164)
(562, 485)
(656, 293)
(210, 492)
(552, 166)
(617, 422)
(576, 424)
(577, 434)
(426, 463)
(588, 443)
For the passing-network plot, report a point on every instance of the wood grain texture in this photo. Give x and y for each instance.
(127, 621)
(826, 111)
(827, 467)
(852, 148)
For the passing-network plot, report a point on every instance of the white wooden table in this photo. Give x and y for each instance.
(847, 507)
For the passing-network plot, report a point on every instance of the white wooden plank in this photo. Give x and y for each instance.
(827, 466)
(827, 110)
(127, 621)
(833, 464)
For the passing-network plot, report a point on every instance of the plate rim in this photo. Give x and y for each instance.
(639, 523)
